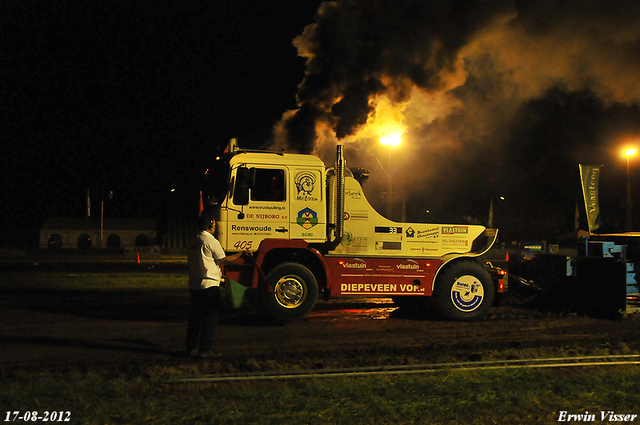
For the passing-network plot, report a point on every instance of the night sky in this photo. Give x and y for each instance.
(493, 98)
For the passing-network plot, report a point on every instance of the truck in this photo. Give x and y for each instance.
(312, 232)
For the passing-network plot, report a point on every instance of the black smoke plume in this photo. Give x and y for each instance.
(358, 48)
(475, 82)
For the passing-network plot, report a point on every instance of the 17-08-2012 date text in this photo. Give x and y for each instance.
(35, 416)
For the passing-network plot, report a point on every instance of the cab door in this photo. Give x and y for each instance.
(261, 197)
(308, 211)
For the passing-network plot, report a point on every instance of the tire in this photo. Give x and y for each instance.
(464, 291)
(295, 291)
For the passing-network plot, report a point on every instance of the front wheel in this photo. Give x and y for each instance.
(464, 291)
(295, 291)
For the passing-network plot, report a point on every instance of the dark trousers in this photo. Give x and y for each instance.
(203, 317)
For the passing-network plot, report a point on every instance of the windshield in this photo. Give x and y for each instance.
(216, 181)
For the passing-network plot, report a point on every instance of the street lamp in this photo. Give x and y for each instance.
(390, 141)
(629, 153)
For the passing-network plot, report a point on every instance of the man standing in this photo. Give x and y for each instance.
(205, 256)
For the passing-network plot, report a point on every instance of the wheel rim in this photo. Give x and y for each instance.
(290, 291)
(467, 293)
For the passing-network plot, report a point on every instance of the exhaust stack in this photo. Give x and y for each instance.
(339, 206)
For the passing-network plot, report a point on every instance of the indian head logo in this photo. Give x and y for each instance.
(305, 185)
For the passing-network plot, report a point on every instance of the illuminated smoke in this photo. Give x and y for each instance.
(358, 50)
(371, 60)
(455, 78)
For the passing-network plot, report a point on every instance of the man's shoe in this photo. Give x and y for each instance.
(209, 354)
(193, 353)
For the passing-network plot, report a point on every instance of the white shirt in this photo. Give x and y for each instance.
(203, 251)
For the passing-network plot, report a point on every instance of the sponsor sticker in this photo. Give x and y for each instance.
(248, 230)
(355, 194)
(236, 228)
(455, 230)
(467, 293)
(307, 218)
(353, 264)
(382, 245)
(356, 215)
(380, 288)
(266, 216)
(408, 265)
(455, 242)
(349, 240)
(423, 249)
(265, 207)
(422, 234)
(305, 185)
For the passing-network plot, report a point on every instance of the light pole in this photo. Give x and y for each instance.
(490, 220)
(390, 141)
(629, 153)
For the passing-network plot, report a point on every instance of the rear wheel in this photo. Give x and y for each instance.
(295, 291)
(464, 291)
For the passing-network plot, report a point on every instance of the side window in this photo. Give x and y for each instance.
(244, 180)
(269, 185)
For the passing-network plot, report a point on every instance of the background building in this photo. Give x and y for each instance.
(86, 233)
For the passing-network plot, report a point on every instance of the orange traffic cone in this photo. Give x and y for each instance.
(506, 258)
(138, 257)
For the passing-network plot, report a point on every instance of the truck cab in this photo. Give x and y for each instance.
(273, 196)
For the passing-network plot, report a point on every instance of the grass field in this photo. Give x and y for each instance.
(101, 281)
(139, 394)
(452, 397)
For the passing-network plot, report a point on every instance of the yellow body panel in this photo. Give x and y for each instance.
(304, 215)
(367, 233)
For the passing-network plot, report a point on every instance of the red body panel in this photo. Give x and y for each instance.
(360, 276)
(254, 275)
(368, 276)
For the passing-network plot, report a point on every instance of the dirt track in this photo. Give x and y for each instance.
(60, 329)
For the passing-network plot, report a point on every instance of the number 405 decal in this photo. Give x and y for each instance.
(241, 245)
